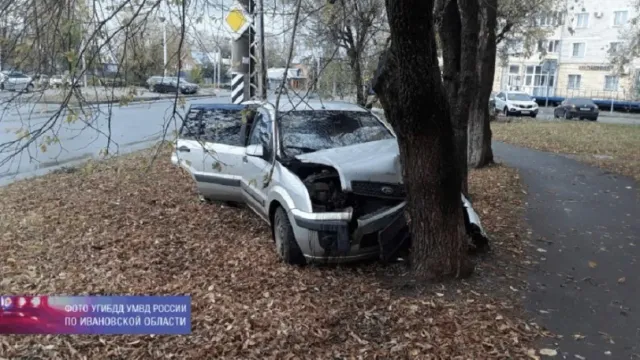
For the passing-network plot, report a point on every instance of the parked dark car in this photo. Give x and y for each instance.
(170, 85)
(581, 108)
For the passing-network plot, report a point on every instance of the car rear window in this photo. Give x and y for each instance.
(581, 102)
(220, 126)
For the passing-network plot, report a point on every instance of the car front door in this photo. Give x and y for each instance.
(258, 159)
(210, 147)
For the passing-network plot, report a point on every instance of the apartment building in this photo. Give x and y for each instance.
(575, 59)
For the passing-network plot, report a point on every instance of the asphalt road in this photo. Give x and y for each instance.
(133, 127)
(586, 237)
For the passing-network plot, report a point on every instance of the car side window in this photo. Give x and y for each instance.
(500, 96)
(261, 133)
(220, 126)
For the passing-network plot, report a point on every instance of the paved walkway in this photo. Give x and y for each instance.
(587, 285)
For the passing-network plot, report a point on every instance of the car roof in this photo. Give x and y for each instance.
(516, 92)
(285, 105)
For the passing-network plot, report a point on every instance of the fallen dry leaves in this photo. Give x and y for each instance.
(610, 146)
(113, 228)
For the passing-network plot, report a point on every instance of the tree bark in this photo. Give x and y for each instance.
(479, 150)
(458, 28)
(356, 77)
(409, 85)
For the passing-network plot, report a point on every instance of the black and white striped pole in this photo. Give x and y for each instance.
(238, 21)
(237, 88)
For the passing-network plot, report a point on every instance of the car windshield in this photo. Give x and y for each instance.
(580, 101)
(313, 130)
(519, 97)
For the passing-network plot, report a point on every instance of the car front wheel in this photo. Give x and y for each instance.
(567, 115)
(286, 244)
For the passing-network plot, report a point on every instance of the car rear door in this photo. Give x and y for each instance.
(210, 147)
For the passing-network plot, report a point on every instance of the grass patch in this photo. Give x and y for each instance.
(610, 146)
(114, 228)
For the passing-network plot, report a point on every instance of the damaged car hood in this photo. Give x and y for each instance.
(377, 161)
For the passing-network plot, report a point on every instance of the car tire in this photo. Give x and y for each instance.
(555, 115)
(506, 111)
(29, 88)
(594, 119)
(533, 116)
(567, 115)
(286, 245)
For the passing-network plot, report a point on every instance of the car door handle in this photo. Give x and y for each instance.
(245, 159)
(184, 149)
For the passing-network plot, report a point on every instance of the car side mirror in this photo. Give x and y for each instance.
(255, 150)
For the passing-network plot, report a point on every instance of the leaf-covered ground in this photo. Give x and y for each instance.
(610, 146)
(114, 228)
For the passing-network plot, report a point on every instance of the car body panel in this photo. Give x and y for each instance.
(265, 178)
(17, 81)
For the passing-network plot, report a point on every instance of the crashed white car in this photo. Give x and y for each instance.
(326, 176)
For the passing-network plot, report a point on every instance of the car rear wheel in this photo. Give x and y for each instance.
(286, 244)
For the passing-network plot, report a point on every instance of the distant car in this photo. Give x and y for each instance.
(171, 85)
(57, 81)
(154, 80)
(17, 81)
(41, 80)
(515, 103)
(581, 108)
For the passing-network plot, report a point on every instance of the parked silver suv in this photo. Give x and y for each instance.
(326, 176)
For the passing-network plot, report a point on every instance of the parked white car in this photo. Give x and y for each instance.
(515, 103)
(17, 81)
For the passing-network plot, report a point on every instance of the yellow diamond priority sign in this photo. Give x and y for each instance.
(237, 21)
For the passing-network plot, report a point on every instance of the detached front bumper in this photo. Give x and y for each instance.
(336, 237)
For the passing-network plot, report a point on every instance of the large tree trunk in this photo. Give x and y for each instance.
(458, 28)
(479, 150)
(356, 77)
(410, 89)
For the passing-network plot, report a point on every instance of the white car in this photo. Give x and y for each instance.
(17, 81)
(515, 103)
(326, 176)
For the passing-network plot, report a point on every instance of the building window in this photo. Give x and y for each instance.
(611, 83)
(578, 50)
(582, 20)
(614, 47)
(514, 69)
(550, 46)
(574, 82)
(620, 18)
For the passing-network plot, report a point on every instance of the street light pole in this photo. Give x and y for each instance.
(164, 46)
